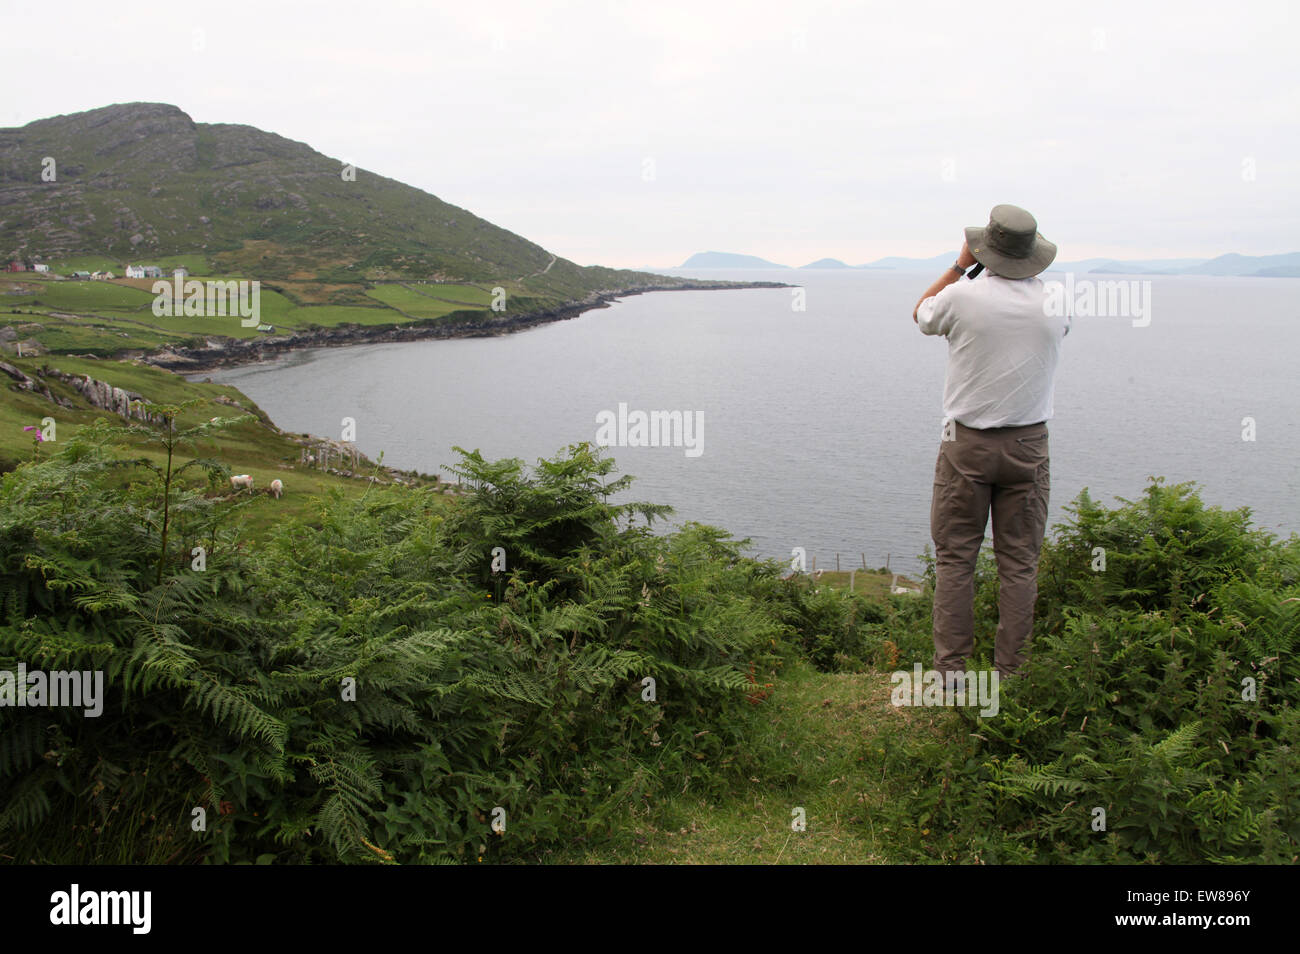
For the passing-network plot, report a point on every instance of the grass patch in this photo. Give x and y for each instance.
(821, 742)
(416, 304)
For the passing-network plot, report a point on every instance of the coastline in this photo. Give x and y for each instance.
(222, 352)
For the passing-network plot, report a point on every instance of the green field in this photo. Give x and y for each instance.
(85, 263)
(406, 301)
(82, 297)
(111, 318)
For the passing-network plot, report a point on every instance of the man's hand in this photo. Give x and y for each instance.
(965, 259)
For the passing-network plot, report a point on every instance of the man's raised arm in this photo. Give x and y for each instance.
(964, 261)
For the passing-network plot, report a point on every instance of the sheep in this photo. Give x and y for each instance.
(901, 590)
(277, 488)
(241, 480)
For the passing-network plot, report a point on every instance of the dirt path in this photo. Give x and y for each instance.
(540, 271)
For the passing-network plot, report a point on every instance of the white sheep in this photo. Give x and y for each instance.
(901, 590)
(241, 480)
(277, 488)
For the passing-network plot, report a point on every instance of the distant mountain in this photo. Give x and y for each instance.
(1109, 265)
(1232, 264)
(727, 260)
(1253, 265)
(1113, 266)
(913, 264)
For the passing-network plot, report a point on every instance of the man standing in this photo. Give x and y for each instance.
(1003, 349)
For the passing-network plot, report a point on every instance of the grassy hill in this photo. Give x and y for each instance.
(333, 247)
(256, 447)
(144, 182)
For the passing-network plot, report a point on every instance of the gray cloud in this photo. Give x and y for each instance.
(790, 131)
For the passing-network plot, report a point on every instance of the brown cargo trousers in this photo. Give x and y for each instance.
(1005, 470)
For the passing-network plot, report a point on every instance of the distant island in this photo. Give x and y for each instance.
(1231, 264)
(728, 260)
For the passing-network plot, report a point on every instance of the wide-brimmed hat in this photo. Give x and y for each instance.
(1010, 245)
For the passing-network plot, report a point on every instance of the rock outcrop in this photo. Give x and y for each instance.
(28, 383)
(127, 405)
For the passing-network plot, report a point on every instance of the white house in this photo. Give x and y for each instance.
(135, 271)
(41, 268)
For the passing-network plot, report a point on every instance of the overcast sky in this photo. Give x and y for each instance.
(637, 133)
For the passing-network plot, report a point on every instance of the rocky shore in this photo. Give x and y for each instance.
(220, 352)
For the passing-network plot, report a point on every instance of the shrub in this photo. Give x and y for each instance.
(230, 689)
(835, 629)
(1161, 689)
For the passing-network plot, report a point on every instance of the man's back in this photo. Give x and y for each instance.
(1004, 344)
(1003, 349)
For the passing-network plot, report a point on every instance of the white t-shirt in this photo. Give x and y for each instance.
(1003, 348)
